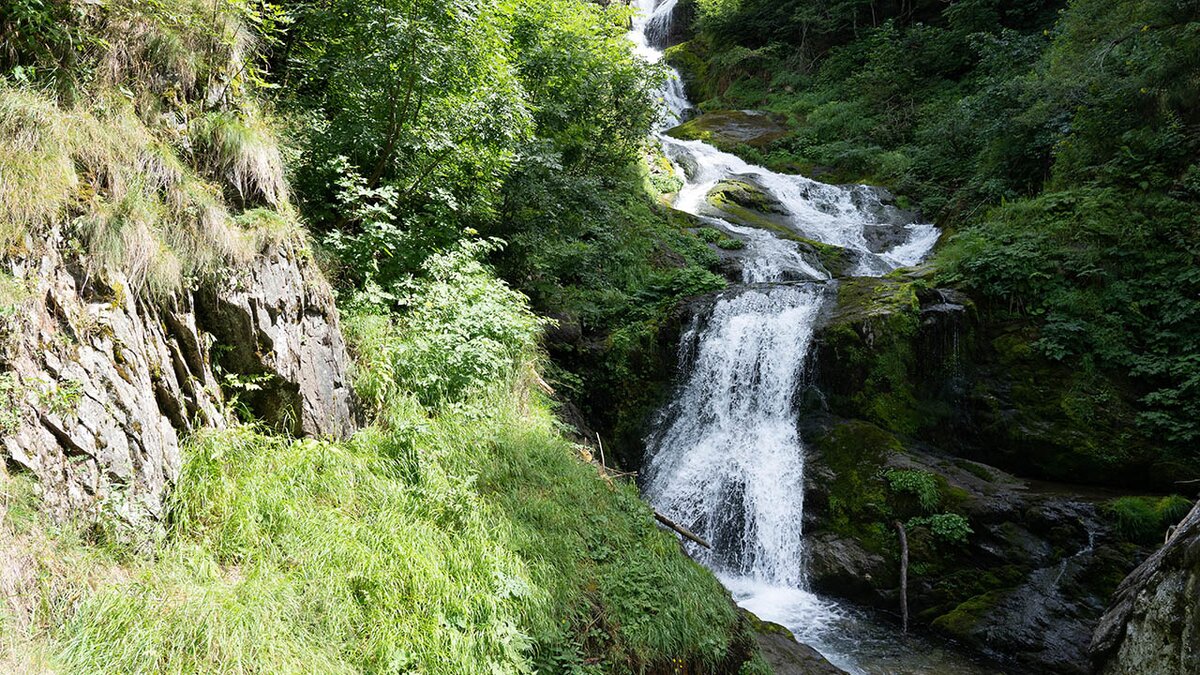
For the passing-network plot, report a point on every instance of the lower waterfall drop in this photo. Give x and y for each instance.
(728, 459)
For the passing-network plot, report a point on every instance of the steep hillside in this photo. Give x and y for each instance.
(202, 472)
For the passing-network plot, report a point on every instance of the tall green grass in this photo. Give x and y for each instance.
(1145, 520)
(471, 540)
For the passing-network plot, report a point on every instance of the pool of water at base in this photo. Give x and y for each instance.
(852, 639)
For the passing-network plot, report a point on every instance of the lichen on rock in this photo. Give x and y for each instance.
(1153, 623)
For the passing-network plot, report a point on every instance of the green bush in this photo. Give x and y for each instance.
(462, 331)
(920, 484)
(949, 527)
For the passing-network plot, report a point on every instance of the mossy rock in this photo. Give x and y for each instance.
(1052, 420)
(868, 299)
(962, 620)
(683, 220)
(691, 60)
(763, 627)
(728, 129)
(740, 193)
(855, 452)
(744, 203)
(866, 359)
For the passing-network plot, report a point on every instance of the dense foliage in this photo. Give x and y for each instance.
(1057, 140)
(423, 124)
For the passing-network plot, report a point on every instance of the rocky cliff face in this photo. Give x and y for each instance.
(895, 375)
(99, 385)
(1153, 623)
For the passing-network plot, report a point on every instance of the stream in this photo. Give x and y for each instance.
(725, 457)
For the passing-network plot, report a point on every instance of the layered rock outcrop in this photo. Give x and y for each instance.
(100, 385)
(276, 321)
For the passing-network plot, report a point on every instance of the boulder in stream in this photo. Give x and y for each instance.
(726, 129)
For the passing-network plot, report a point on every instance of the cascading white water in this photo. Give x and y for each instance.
(831, 214)
(726, 458)
(729, 462)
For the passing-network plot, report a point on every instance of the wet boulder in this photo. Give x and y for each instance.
(1013, 569)
(727, 129)
(747, 202)
(783, 653)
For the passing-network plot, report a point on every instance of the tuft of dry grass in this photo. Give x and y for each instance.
(167, 53)
(138, 207)
(152, 162)
(37, 175)
(242, 150)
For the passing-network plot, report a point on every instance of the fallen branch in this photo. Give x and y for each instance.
(903, 574)
(686, 533)
(542, 384)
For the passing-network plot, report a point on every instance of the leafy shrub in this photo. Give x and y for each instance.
(462, 331)
(949, 527)
(920, 484)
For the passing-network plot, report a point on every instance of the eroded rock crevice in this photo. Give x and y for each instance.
(101, 386)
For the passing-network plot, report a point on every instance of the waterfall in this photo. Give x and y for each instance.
(725, 457)
(729, 461)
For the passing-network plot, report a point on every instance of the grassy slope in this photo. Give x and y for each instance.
(472, 538)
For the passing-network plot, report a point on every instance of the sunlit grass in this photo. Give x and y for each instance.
(134, 205)
(471, 540)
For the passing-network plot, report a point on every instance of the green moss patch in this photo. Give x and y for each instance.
(962, 619)
(729, 129)
(870, 338)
